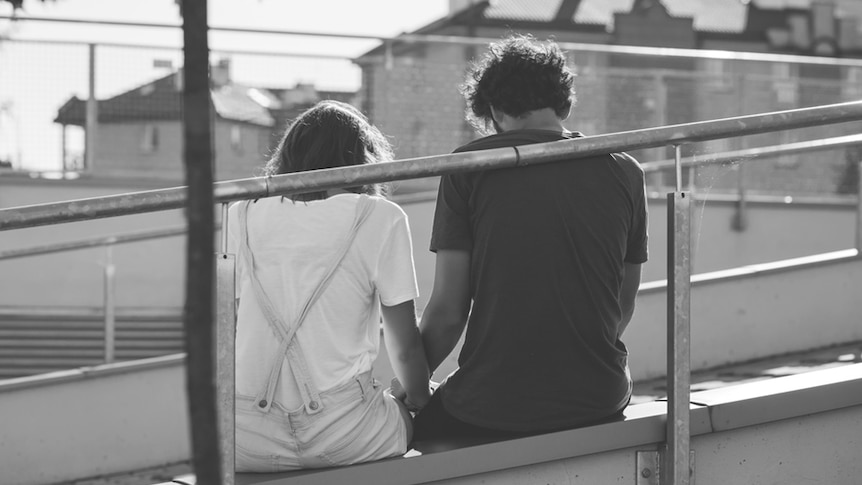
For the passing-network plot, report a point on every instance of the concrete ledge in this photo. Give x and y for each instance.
(94, 421)
(718, 410)
(758, 310)
(787, 397)
(644, 424)
(759, 269)
(82, 373)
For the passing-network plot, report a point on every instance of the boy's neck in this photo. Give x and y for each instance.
(540, 119)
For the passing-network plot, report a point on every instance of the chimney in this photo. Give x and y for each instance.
(304, 94)
(850, 37)
(178, 79)
(456, 6)
(823, 25)
(220, 73)
(800, 36)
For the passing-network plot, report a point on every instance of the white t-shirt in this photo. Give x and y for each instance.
(293, 244)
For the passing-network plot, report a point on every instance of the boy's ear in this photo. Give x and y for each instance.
(568, 111)
(497, 114)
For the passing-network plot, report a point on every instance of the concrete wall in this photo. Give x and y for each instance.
(119, 149)
(738, 318)
(775, 232)
(88, 423)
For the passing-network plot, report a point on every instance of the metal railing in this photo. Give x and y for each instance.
(676, 462)
(388, 42)
(690, 163)
(758, 153)
(108, 273)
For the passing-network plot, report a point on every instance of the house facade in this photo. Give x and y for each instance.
(410, 89)
(139, 132)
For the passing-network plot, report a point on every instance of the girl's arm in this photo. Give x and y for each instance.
(406, 353)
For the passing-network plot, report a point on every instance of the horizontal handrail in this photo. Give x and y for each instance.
(127, 45)
(66, 313)
(94, 242)
(257, 187)
(484, 41)
(750, 153)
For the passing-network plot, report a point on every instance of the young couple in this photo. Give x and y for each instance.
(543, 261)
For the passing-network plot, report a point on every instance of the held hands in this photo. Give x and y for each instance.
(398, 392)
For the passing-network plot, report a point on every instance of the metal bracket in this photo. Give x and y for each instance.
(648, 468)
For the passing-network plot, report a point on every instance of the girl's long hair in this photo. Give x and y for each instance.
(330, 134)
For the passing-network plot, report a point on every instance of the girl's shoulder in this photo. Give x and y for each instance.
(387, 207)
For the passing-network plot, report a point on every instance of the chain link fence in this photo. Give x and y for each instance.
(413, 96)
(409, 90)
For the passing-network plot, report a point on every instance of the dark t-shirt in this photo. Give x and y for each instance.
(547, 247)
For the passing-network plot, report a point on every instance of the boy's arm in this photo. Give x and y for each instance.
(445, 317)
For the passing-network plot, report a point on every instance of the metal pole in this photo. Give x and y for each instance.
(226, 352)
(224, 212)
(92, 114)
(110, 321)
(200, 286)
(692, 173)
(225, 360)
(677, 164)
(660, 114)
(859, 206)
(677, 460)
(739, 218)
(678, 332)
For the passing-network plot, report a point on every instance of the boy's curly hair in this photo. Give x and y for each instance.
(518, 74)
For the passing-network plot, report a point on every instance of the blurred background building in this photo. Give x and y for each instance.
(408, 88)
(140, 130)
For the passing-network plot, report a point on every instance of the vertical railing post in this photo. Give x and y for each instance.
(660, 87)
(740, 221)
(200, 309)
(108, 303)
(859, 206)
(92, 114)
(692, 173)
(676, 469)
(224, 352)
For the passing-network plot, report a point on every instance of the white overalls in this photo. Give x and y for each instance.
(351, 423)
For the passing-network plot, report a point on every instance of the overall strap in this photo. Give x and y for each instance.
(289, 347)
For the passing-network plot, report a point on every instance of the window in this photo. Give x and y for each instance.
(785, 83)
(853, 85)
(150, 139)
(717, 74)
(236, 139)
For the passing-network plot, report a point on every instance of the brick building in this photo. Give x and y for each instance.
(139, 132)
(410, 89)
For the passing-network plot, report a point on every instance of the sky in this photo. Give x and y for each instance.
(37, 78)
